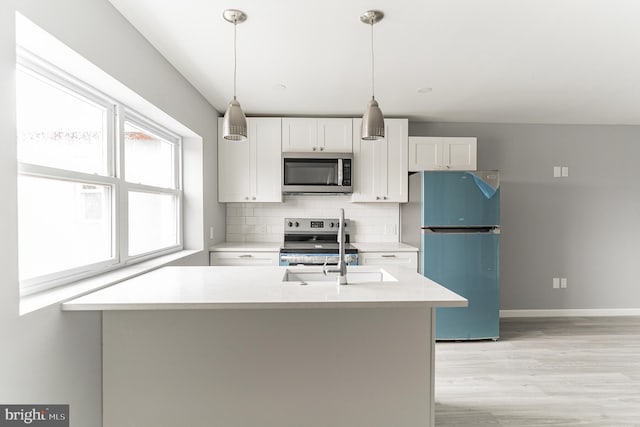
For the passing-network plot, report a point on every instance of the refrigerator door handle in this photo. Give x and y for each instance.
(461, 230)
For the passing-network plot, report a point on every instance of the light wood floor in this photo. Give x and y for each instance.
(543, 372)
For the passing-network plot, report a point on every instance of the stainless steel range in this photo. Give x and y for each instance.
(314, 241)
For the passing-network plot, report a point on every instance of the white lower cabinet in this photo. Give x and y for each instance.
(244, 258)
(403, 259)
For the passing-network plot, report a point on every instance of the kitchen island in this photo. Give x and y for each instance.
(268, 346)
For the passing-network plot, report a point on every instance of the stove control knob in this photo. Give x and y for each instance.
(331, 225)
(290, 224)
(297, 224)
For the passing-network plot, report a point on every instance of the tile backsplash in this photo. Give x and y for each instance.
(264, 222)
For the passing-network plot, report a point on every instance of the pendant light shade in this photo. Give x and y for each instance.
(234, 125)
(373, 119)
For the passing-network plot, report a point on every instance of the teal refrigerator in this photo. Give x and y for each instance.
(454, 217)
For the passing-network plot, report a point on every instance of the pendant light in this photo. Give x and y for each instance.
(234, 125)
(372, 120)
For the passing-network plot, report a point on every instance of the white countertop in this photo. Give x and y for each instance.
(188, 288)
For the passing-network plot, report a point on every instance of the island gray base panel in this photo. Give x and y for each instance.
(296, 367)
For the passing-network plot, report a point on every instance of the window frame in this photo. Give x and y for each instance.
(116, 114)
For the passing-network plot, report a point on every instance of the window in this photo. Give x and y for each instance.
(153, 201)
(60, 128)
(99, 186)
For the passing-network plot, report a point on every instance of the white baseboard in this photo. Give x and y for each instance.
(587, 312)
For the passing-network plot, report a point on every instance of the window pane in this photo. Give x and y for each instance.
(152, 222)
(62, 225)
(57, 128)
(148, 159)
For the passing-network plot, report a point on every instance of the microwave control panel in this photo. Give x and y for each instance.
(346, 172)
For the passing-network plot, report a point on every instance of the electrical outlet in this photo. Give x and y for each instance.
(563, 282)
(557, 171)
(211, 233)
(565, 171)
(556, 283)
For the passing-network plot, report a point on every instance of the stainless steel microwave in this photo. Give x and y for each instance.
(317, 172)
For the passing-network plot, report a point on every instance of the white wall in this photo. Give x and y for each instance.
(48, 356)
(264, 222)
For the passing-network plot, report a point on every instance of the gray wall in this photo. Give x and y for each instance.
(48, 356)
(584, 227)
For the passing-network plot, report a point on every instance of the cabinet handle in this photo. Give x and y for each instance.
(253, 198)
(246, 256)
(315, 148)
(246, 198)
(448, 167)
(377, 197)
(321, 148)
(388, 256)
(385, 197)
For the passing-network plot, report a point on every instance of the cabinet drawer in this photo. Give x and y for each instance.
(243, 258)
(403, 259)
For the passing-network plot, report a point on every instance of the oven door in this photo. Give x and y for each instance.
(316, 173)
(287, 259)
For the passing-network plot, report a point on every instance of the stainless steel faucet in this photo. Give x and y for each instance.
(341, 268)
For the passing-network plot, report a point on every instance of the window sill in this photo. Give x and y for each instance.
(33, 302)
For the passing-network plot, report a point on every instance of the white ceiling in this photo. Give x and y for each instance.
(515, 61)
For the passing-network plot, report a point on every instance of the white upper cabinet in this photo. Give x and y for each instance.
(380, 166)
(250, 171)
(335, 135)
(314, 135)
(442, 153)
(299, 134)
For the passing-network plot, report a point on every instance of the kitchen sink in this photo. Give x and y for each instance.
(377, 275)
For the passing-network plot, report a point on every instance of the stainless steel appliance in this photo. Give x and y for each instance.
(317, 173)
(314, 241)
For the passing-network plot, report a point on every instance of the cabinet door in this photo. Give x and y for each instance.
(234, 169)
(249, 171)
(369, 167)
(299, 135)
(335, 135)
(265, 136)
(381, 165)
(442, 153)
(396, 132)
(425, 153)
(460, 153)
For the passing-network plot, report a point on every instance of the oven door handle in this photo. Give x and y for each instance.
(305, 259)
(316, 259)
(340, 174)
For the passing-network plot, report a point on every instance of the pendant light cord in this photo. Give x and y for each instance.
(372, 76)
(235, 25)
